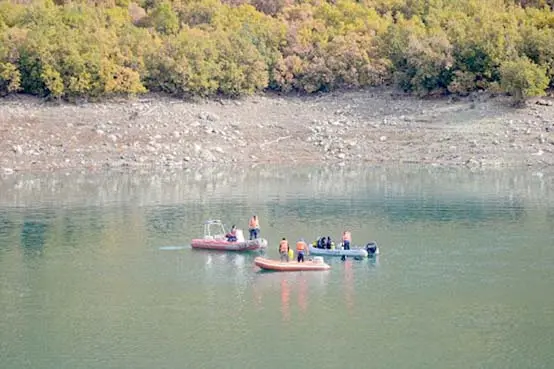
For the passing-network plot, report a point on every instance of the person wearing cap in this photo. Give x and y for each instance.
(254, 227)
(301, 248)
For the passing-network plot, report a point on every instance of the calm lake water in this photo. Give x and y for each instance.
(465, 278)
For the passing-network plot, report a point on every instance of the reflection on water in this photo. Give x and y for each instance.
(272, 183)
(294, 288)
(221, 265)
(285, 300)
(348, 285)
(96, 270)
(32, 236)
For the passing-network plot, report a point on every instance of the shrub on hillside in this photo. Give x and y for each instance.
(70, 48)
(522, 78)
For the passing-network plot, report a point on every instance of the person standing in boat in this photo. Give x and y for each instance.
(284, 249)
(254, 227)
(232, 234)
(346, 240)
(301, 248)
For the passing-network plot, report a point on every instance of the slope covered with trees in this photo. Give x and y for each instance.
(68, 49)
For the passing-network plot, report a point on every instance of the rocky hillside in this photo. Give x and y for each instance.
(376, 126)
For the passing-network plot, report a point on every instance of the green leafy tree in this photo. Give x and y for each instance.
(538, 39)
(10, 78)
(522, 78)
(164, 19)
(198, 13)
(187, 65)
(94, 48)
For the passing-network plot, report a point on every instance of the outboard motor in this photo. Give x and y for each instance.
(371, 248)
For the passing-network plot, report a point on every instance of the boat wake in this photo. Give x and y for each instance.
(171, 248)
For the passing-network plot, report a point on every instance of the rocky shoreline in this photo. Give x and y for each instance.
(373, 126)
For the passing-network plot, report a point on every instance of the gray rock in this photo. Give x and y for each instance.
(544, 102)
(472, 163)
(207, 155)
(351, 144)
(208, 116)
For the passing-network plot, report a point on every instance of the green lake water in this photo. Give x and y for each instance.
(465, 278)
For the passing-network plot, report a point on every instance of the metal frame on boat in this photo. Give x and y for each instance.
(216, 240)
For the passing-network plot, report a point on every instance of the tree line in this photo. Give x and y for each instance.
(70, 48)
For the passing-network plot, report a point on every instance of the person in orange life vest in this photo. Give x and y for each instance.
(254, 227)
(232, 234)
(346, 239)
(301, 248)
(284, 249)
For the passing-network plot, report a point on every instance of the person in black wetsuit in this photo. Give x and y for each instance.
(321, 243)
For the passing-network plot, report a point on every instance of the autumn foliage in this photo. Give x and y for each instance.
(68, 49)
